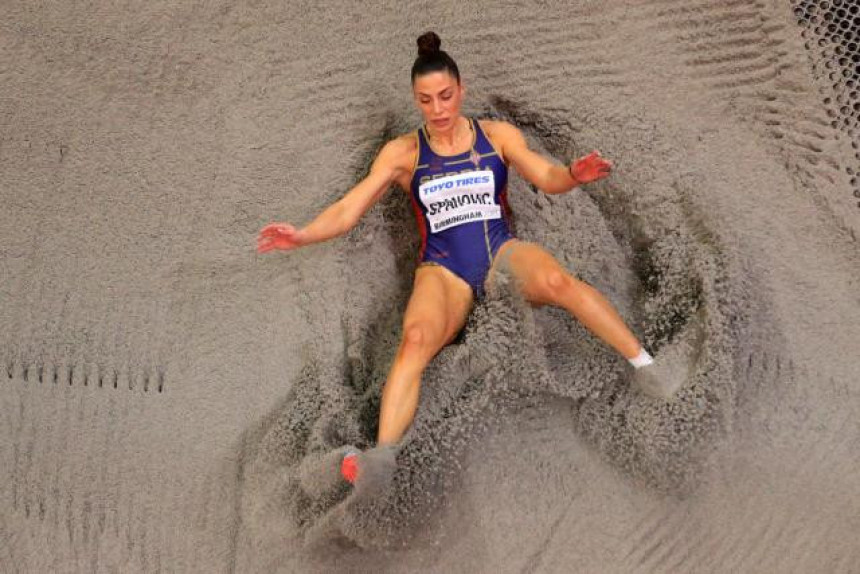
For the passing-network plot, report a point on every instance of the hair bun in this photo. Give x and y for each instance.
(428, 44)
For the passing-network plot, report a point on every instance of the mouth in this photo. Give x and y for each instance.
(441, 122)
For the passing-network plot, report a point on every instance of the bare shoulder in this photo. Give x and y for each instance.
(399, 155)
(396, 151)
(500, 129)
(503, 135)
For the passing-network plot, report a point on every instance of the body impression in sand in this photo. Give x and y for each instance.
(455, 169)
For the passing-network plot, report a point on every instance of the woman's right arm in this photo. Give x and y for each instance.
(343, 215)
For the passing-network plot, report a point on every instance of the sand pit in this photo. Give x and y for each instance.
(171, 401)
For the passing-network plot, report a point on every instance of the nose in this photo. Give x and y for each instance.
(437, 106)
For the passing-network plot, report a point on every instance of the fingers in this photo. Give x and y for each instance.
(603, 166)
(278, 236)
(274, 229)
(604, 170)
(271, 226)
(594, 158)
(265, 244)
(598, 157)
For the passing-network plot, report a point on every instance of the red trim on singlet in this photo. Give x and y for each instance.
(506, 209)
(422, 228)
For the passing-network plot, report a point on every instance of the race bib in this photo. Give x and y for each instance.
(457, 199)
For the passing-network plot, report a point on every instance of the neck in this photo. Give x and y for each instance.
(449, 136)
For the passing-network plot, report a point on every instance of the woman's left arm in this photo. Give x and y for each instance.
(544, 174)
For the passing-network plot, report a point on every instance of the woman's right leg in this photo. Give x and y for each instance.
(437, 310)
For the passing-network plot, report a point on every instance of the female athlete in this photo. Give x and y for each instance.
(455, 170)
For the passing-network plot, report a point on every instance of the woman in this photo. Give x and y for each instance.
(455, 170)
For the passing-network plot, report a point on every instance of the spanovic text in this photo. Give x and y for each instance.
(460, 198)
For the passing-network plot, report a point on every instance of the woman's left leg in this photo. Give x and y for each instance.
(543, 281)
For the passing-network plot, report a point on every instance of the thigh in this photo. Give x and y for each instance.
(440, 302)
(534, 269)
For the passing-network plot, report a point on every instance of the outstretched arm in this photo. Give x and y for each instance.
(544, 174)
(341, 216)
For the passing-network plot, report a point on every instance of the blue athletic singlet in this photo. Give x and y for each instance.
(461, 206)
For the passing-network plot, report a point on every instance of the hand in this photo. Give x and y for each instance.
(279, 236)
(590, 168)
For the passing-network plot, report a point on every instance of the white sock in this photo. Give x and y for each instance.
(642, 359)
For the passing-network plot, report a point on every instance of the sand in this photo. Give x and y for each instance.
(172, 401)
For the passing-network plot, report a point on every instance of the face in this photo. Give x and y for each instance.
(438, 96)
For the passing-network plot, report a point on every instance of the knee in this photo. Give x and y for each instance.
(557, 285)
(415, 334)
(418, 337)
(560, 288)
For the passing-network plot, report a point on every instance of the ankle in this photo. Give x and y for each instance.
(642, 359)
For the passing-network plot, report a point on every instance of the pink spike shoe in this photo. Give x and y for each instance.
(349, 467)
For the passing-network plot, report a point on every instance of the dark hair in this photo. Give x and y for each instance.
(431, 58)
